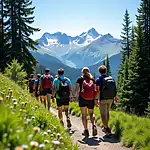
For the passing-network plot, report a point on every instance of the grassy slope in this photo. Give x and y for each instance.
(132, 130)
(20, 113)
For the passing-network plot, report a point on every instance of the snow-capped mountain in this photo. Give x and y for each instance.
(86, 49)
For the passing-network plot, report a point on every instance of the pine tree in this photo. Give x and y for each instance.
(2, 56)
(19, 31)
(126, 51)
(126, 36)
(107, 64)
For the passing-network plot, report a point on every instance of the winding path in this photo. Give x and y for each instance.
(100, 142)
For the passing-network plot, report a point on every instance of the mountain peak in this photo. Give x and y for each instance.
(93, 32)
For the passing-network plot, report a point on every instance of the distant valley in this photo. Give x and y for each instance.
(72, 53)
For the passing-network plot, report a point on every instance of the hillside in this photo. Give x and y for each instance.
(25, 124)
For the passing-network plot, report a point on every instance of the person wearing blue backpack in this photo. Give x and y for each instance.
(62, 89)
(106, 88)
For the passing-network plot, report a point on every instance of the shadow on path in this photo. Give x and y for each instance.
(92, 141)
(110, 139)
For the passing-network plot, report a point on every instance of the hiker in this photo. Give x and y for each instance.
(87, 92)
(106, 88)
(31, 84)
(46, 87)
(37, 86)
(63, 90)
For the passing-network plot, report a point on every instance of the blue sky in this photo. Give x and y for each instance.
(76, 16)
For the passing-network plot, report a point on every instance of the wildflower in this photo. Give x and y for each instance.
(48, 131)
(36, 107)
(45, 133)
(1, 99)
(28, 120)
(7, 97)
(14, 100)
(15, 103)
(22, 103)
(32, 117)
(11, 107)
(58, 135)
(36, 129)
(24, 110)
(30, 137)
(20, 110)
(34, 144)
(42, 146)
(18, 148)
(46, 141)
(10, 91)
(24, 146)
(56, 142)
(5, 135)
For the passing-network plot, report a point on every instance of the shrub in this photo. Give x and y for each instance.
(16, 73)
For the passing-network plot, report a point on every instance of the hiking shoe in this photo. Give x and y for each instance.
(94, 130)
(106, 130)
(61, 122)
(86, 133)
(68, 123)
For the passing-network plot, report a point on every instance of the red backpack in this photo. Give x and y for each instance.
(47, 81)
(88, 91)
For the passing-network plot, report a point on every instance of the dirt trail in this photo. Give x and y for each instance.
(100, 142)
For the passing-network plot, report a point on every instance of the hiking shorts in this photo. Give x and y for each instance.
(61, 102)
(86, 103)
(46, 91)
(105, 107)
(31, 90)
(37, 95)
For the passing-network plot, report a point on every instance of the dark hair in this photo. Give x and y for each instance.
(38, 75)
(31, 75)
(102, 69)
(47, 70)
(61, 71)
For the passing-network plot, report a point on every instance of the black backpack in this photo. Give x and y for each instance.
(64, 91)
(108, 88)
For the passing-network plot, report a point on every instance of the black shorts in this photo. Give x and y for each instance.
(46, 91)
(86, 103)
(37, 95)
(31, 90)
(61, 102)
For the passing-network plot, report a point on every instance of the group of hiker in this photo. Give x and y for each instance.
(88, 93)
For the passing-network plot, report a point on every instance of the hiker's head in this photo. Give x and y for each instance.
(38, 75)
(47, 70)
(102, 69)
(60, 71)
(86, 72)
(31, 75)
(56, 76)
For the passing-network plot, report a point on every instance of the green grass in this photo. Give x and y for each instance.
(132, 130)
(25, 122)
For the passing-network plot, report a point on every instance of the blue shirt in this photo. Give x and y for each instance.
(99, 82)
(56, 83)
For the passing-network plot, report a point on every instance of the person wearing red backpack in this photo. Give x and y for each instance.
(87, 95)
(31, 84)
(46, 82)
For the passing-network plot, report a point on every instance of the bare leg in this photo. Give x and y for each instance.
(48, 101)
(84, 116)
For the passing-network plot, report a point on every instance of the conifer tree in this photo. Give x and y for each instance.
(19, 31)
(126, 51)
(126, 36)
(107, 64)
